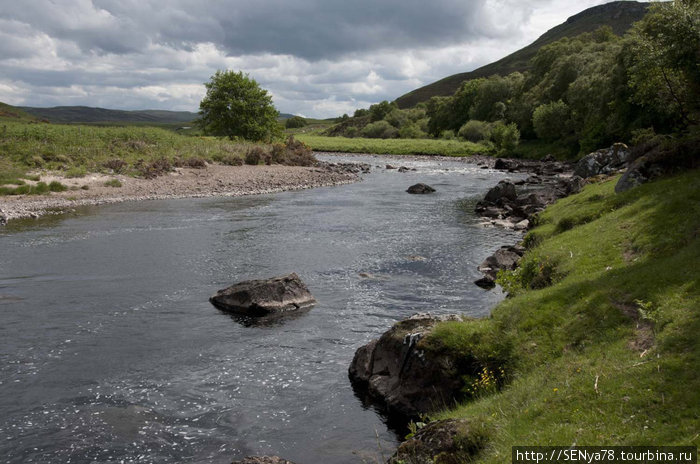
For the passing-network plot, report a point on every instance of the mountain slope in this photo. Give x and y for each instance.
(85, 114)
(619, 15)
(13, 113)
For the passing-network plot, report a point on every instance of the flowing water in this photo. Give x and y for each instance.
(110, 351)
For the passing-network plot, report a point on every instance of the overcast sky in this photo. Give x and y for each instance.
(318, 58)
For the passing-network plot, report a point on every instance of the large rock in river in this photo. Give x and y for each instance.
(396, 371)
(264, 297)
(420, 188)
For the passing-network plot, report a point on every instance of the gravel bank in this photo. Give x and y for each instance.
(214, 180)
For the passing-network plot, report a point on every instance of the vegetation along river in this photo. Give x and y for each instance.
(111, 352)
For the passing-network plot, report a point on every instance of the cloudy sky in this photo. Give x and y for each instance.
(318, 58)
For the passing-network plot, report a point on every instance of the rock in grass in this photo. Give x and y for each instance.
(264, 297)
(420, 188)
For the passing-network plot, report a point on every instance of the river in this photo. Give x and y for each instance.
(110, 351)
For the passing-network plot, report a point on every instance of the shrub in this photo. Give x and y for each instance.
(552, 121)
(254, 156)
(448, 135)
(298, 153)
(56, 186)
(76, 171)
(116, 165)
(195, 162)
(475, 131)
(113, 183)
(411, 131)
(231, 160)
(156, 168)
(379, 130)
(295, 122)
(505, 136)
(352, 131)
(36, 161)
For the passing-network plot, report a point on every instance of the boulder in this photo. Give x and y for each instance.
(451, 441)
(264, 297)
(486, 282)
(420, 189)
(605, 161)
(389, 166)
(262, 460)
(505, 164)
(504, 258)
(503, 192)
(396, 371)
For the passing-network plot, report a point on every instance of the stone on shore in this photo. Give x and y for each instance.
(264, 297)
(398, 373)
(420, 188)
(605, 161)
(451, 441)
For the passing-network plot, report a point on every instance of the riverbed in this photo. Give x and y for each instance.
(110, 351)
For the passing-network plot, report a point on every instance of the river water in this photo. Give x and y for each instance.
(110, 351)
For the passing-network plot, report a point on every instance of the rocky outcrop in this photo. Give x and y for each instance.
(264, 297)
(449, 441)
(505, 258)
(605, 161)
(504, 206)
(396, 371)
(420, 188)
(262, 460)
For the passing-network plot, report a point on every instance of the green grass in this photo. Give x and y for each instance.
(79, 149)
(393, 146)
(609, 353)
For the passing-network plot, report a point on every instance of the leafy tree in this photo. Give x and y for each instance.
(489, 100)
(379, 130)
(379, 110)
(552, 120)
(295, 122)
(236, 106)
(505, 136)
(475, 131)
(665, 65)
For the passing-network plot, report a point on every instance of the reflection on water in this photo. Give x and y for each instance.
(111, 352)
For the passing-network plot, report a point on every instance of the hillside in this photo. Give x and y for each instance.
(618, 15)
(85, 114)
(13, 113)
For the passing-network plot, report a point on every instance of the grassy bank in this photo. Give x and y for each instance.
(393, 146)
(600, 344)
(76, 149)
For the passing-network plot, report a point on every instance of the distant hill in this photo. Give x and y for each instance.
(619, 15)
(14, 113)
(85, 114)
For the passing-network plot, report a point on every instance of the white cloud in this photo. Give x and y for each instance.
(146, 54)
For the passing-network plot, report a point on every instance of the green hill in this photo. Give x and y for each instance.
(85, 114)
(618, 15)
(8, 112)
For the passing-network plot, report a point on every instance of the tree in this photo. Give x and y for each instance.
(236, 106)
(665, 50)
(552, 120)
(295, 122)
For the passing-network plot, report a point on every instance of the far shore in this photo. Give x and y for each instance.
(214, 180)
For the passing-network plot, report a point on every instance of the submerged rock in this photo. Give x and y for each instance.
(420, 188)
(264, 297)
(262, 460)
(395, 371)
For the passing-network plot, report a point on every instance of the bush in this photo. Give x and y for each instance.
(231, 160)
(254, 156)
(411, 131)
(552, 121)
(448, 135)
(113, 183)
(56, 186)
(295, 122)
(352, 131)
(298, 153)
(156, 168)
(116, 165)
(475, 131)
(505, 136)
(379, 130)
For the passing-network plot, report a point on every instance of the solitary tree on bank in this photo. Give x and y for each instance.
(236, 106)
